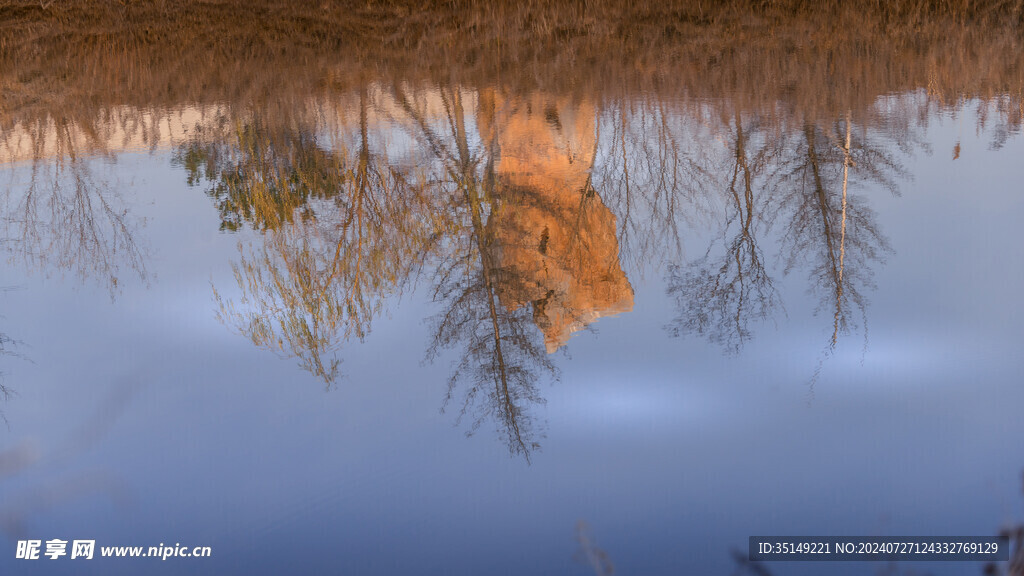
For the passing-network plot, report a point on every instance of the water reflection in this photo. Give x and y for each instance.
(506, 204)
(499, 360)
(341, 231)
(523, 251)
(522, 211)
(7, 345)
(60, 485)
(717, 295)
(554, 238)
(60, 213)
(529, 213)
(799, 187)
(590, 554)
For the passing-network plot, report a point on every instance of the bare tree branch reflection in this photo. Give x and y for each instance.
(500, 362)
(649, 177)
(5, 393)
(315, 283)
(828, 228)
(718, 297)
(65, 217)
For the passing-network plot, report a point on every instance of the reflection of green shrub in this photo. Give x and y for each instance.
(263, 180)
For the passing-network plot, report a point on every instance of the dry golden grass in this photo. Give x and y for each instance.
(76, 56)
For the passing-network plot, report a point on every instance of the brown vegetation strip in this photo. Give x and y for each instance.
(822, 57)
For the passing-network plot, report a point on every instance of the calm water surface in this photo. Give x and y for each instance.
(431, 328)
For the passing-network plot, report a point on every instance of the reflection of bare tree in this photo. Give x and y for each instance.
(314, 284)
(5, 343)
(67, 218)
(1008, 113)
(718, 297)
(798, 183)
(828, 228)
(500, 362)
(648, 176)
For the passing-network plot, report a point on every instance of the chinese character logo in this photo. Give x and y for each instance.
(56, 548)
(82, 549)
(28, 549)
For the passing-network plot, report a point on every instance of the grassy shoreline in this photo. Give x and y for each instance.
(821, 58)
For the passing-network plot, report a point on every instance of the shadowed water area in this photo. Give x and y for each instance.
(533, 291)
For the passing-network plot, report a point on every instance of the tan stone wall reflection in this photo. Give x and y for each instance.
(554, 240)
(111, 132)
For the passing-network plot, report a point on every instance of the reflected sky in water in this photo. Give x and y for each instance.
(428, 328)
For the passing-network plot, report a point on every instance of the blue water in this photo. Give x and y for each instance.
(148, 421)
